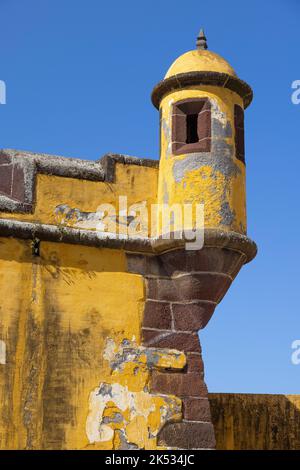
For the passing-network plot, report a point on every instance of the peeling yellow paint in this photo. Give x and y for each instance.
(123, 414)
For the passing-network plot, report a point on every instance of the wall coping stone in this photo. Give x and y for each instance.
(56, 233)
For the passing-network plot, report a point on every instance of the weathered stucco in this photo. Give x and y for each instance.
(256, 422)
(123, 414)
(84, 196)
(74, 375)
(216, 178)
(57, 310)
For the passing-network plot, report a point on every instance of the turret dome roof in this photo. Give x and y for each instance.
(200, 60)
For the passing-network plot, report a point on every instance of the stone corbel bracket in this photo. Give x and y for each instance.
(183, 289)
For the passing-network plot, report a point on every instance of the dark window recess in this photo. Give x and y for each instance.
(239, 133)
(160, 129)
(191, 126)
(192, 129)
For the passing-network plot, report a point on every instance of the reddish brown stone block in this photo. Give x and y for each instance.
(239, 116)
(157, 315)
(18, 184)
(145, 265)
(192, 317)
(179, 384)
(240, 144)
(209, 259)
(188, 435)
(179, 128)
(204, 145)
(4, 159)
(196, 409)
(239, 133)
(136, 263)
(204, 124)
(195, 363)
(175, 261)
(6, 179)
(187, 342)
(204, 286)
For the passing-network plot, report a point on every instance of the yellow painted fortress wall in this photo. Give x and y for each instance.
(256, 422)
(73, 373)
(56, 312)
(202, 184)
(137, 183)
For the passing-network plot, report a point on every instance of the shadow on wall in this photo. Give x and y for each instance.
(65, 256)
(256, 422)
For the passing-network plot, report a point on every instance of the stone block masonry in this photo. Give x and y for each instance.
(182, 290)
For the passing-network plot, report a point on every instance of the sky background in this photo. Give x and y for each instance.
(79, 76)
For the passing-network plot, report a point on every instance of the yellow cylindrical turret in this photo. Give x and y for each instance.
(201, 103)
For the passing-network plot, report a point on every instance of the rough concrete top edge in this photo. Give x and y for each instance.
(212, 238)
(102, 169)
(250, 395)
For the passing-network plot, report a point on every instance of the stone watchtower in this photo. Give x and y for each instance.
(202, 158)
(99, 343)
(201, 102)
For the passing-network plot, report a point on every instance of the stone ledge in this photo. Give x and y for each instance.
(150, 246)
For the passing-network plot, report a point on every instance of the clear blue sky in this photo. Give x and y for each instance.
(79, 76)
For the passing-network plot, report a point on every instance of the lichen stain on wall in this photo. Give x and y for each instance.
(123, 413)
